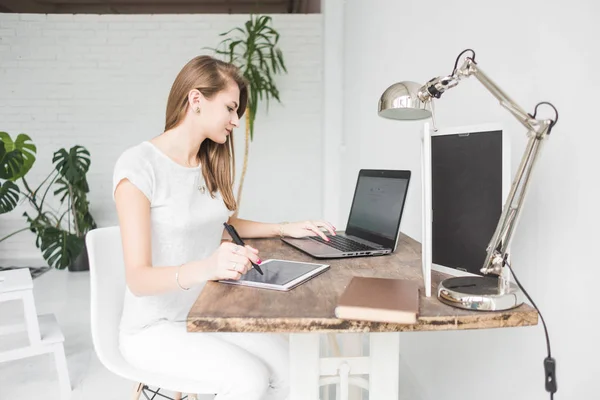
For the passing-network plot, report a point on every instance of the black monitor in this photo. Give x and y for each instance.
(467, 196)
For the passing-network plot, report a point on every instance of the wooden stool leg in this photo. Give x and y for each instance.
(137, 391)
(192, 396)
(177, 396)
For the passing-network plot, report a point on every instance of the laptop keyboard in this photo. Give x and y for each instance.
(342, 243)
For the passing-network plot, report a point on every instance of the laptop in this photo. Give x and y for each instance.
(374, 222)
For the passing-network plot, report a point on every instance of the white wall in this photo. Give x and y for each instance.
(536, 51)
(103, 81)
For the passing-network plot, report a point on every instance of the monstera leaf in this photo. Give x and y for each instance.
(83, 218)
(16, 159)
(9, 196)
(23, 155)
(66, 188)
(60, 248)
(72, 165)
(11, 163)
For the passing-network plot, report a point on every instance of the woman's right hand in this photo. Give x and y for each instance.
(230, 261)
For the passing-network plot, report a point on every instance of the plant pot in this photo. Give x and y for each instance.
(81, 263)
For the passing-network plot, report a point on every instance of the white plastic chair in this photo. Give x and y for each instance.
(107, 280)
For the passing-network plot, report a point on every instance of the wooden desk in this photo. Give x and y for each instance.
(309, 308)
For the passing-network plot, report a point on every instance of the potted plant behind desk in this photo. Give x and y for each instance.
(254, 49)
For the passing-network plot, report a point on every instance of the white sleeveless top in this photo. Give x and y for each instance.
(186, 225)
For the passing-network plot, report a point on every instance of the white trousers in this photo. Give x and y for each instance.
(248, 366)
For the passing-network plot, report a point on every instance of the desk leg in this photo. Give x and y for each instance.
(385, 366)
(304, 366)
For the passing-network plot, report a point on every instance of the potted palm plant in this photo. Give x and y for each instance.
(254, 49)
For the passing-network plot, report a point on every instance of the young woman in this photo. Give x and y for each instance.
(173, 194)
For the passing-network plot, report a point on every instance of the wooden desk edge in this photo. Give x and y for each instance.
(522, 316)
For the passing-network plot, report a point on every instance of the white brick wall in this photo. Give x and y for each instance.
(102, 82)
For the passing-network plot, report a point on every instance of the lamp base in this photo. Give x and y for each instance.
(478, 293)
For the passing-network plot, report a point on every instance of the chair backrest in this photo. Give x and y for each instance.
(107, 287)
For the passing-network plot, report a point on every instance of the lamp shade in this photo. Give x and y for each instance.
(401, 101)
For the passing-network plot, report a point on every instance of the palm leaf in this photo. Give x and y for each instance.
(231, 30)
(266, 38)
(254, 51)
(233, 44)
(280, 59)
(249, 26)
(262, 22)
(252, 112)
(273, 59)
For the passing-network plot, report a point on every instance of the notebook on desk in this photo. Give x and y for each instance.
(379, 300)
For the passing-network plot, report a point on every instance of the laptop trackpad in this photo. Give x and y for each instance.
(311, 246)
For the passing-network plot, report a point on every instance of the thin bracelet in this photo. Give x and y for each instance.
(281, 233)
(177, 278)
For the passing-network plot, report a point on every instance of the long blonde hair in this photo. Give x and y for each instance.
(209, 76)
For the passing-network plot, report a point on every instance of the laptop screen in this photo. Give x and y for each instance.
(377, 206)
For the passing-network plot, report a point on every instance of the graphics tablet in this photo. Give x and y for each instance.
(280, 275)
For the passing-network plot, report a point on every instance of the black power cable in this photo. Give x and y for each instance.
(549, 362)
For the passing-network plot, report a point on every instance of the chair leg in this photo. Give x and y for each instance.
(63, 372)
(192, 396)
(137, 391)
(177, 396)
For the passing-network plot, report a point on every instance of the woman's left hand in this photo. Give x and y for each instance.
(308, 228)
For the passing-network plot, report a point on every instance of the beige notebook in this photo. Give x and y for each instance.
(380, 300)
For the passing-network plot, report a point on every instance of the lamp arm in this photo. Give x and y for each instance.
(537, 131)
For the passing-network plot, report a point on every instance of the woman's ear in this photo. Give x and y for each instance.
(195, 100)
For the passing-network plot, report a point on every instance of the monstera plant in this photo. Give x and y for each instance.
(60, 226)
(254, 49)
(61, 232)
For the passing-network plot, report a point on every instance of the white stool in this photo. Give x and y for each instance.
(44, 333)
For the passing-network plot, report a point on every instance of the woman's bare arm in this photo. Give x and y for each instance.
(142, 279)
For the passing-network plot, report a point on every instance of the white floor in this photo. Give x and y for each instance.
(66, 294)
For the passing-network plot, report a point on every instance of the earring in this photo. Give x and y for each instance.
(197, 110)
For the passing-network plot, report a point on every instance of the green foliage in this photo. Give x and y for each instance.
(60, 244)
(60, 234)
(16, 159)
(254, 49)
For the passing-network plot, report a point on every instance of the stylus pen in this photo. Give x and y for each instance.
(238, 240)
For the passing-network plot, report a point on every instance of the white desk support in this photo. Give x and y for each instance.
(309, 371)
(426, 208)
(43, 331)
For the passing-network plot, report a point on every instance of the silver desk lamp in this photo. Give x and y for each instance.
(412, 101)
